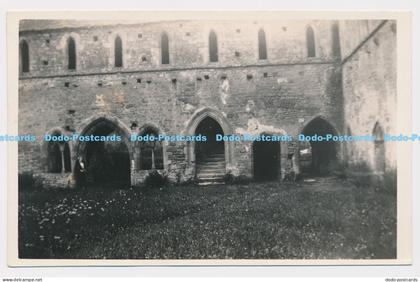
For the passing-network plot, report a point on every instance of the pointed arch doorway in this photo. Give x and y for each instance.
(202, 157)
(210, 155)
(107, 163)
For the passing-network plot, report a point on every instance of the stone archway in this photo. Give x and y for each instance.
(108, 163)
(210, 128)
(316, 156)
(210, 155)
(213, 122)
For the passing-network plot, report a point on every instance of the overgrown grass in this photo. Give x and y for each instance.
(267, 220)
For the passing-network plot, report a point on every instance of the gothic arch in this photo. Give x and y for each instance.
(112, 38)
(141, 131)
(262, 44)
(71, 53)
(118, 52)
(335, 36)
(164, 48)
(88, 125)
(379, 159)
(322, 153)
(72, 38)
(24, 57)
(319, 117)
(213, 47)
(191, 127)
(310, 42)
(65, 157)
(105, 162)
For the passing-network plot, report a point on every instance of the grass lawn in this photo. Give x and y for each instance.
(323, 218)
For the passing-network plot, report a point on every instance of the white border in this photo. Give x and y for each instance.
(286, 271)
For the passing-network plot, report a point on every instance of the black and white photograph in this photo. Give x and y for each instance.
(236, 137)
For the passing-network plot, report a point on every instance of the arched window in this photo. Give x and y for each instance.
(71, 53)
(336, 52)
(379, 154)
(151, 152)
(24, 56)
(213, 52)
(310, 42)
(262, 45)
(118, 52)
(58, 156)
(348, 145)
(164, 48)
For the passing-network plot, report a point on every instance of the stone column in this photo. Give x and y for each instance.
(63, 167)
(296, 162)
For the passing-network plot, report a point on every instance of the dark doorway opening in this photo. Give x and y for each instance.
(209, 127)
(266, 160)
(210, 154)
(318, 157)
(107, 163)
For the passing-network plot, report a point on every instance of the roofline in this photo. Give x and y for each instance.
(95, 26)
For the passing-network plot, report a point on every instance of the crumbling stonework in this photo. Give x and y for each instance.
(277, 95)
(370, 88)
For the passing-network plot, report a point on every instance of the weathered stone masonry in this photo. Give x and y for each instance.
(281, 94)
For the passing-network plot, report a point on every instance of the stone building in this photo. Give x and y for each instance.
(204, 77)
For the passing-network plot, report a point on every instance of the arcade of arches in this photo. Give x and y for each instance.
(110, 162)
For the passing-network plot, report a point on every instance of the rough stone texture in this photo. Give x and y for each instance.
(278, 95)
(370, 88)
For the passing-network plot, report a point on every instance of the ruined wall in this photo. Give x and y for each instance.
(188, 44)
(369, 87)
(353, 33)
(277, 95)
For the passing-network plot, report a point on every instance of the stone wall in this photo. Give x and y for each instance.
(278, 95)
(370, 88)
(188, 45)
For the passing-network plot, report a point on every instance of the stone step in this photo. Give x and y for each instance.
(211, 174)
(211, 160)
(209, 177)
(210, 166)
(216, 166)
(220, 156)
(208, 183)
(214, 154)
(219, 170)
